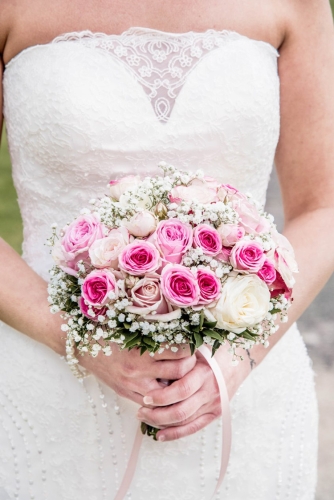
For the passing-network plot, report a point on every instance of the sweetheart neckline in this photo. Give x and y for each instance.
(135, 30)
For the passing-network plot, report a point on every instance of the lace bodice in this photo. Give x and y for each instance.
(88, 107)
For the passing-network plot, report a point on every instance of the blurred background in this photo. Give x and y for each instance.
(316, 324)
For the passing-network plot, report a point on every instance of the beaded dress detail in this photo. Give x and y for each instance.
(83, 109)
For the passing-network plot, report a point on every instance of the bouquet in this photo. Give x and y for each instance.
(170, 260)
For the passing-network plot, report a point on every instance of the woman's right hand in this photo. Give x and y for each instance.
(132, 376)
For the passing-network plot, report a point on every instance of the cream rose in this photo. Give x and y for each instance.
(197, 190)
(141, 224)
(244, 302)
(118, 187)
(105, 251)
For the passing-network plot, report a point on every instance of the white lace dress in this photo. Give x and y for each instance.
(89, 107)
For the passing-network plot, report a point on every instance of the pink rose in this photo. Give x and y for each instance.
(142, 224)
(173, 238)
(250, 217)
(92, 312)
(208, 239)
(68, 263)
(147, 297)
(81, 234)
(285, 258)
(179, 285)
(230, 234)
(118, 187)
(99, 288)
(280, 288)
(139, 258)
(105, 252)
(224, 254)
(211, 182)
(227, 191)
(267, 272)
(209, 286)
(197, 190)
(247, 256)
(78, 238)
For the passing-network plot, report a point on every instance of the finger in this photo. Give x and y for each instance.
(183, 351)
(172, 433)
(140, 386)
(174, 414)
(173, 370)
(179, 390)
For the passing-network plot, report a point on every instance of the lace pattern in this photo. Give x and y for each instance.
(159, 63)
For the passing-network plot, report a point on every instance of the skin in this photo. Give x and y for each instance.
(303, 32)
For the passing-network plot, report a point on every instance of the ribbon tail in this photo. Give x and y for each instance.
(131, 466)
(226, 415)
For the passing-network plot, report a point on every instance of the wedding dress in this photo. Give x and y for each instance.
(89, 107)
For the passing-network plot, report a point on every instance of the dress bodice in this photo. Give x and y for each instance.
(89, 107)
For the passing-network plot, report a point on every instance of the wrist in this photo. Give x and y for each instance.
(55, 338)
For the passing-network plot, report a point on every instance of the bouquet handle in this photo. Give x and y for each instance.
(227, 432)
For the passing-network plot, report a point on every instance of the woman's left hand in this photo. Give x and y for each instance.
(192, 402)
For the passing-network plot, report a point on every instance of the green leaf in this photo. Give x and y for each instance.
(143, 349)
(148, 341)
(275, 311)
(212, 334)
(198, 340)
(127, 325)
(133, 342)
(201, 320)
(143, 427)
(210, 324)
(248, 336)
(195, 328)
(129, 336)
(215, 346)
(192, 348)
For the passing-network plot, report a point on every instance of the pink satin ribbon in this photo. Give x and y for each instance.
(226, 415)
(227, 432)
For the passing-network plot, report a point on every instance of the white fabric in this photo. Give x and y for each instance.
(84, 109)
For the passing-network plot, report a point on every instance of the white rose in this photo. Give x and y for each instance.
(244, 303)
(104, 252)
(118, 187)
(141, 224)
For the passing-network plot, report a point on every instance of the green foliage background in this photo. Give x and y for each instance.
(10, 220)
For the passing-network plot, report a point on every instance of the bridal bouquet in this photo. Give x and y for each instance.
(170, 260)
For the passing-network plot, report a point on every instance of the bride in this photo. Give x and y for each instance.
(229, 87)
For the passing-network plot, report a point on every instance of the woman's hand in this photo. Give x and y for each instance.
(132, 376)
(193, 401)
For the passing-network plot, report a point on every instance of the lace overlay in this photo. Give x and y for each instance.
(160, 64)
(89, 107)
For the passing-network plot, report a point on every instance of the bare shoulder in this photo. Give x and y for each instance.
(6, 16)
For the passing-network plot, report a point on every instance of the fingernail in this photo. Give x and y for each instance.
(161, 438)
(148, 400)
